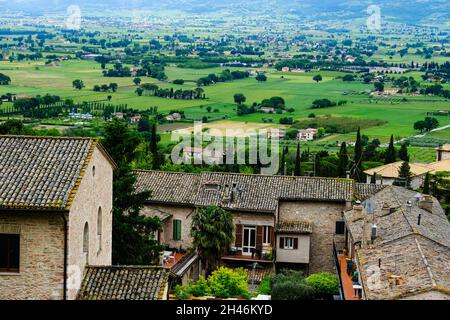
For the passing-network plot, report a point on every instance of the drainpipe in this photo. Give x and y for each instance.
(65, 257)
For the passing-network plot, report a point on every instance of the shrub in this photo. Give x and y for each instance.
(290, 285)
(324, 284)
(264, 286)
(287, 290)
(199, 288)
(182, 293)
(228, 283)
(178, 81)
(223, 283)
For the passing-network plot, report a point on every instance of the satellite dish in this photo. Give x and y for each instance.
(370, 206)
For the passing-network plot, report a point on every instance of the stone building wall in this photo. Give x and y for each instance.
(41, 269)
(94, 192)
(182, 213)
(323, 217)
(185, 214)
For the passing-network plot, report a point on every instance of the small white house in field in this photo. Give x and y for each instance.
(306, 134)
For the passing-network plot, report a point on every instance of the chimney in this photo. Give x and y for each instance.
(426, 203)
(358, 208)
(233, 192)
(226, 193)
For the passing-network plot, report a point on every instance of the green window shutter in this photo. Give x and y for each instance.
(176, 229)
(179, 230)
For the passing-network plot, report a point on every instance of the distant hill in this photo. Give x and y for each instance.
(406, 11)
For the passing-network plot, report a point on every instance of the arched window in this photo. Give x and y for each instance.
(86, 241)
(99, 229)
(93, 171)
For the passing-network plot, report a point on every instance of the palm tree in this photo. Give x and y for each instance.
(212, 233)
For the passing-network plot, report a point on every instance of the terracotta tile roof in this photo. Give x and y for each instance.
(123, 283)
(445, 147)
(259, 193)
(294, 227)
(364, 190)
(180, 268)
(391, 170)
(257, 275)
(41, 173)
(438, 166)
(418, 253)
(169, 187)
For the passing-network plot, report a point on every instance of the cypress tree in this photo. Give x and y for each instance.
(153, 141)
(356, 171)
(343, 161)
(390, 152)
(426, 184)
(298, 167)
(317, 169)
(283, 160)
(405, 174)
(373, 179)
(403, 153)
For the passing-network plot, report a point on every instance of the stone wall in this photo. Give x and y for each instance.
(299, 255)
(185, 214)
(182, 213)
(94, 192)
(323, 217)
(430, 295)
(41, 270)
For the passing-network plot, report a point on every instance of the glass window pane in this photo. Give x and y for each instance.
(14, 251)
(3, 251)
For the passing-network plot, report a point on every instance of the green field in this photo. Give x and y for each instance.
(298, 89)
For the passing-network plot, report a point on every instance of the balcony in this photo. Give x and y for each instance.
(264, 255)
(350, 289)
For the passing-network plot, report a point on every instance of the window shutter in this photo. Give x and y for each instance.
(179, 230)
(272, 235)
(259, 237)
(282, 243)
(176, 229)
(238, 242)
(295, 243)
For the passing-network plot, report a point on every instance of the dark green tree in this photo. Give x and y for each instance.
(404, 174)
(317, 165)
(317, 78)
(283, 160)
(343, 161)
(133, 242)
(298, 167)
(403, 153)
(78, 84)
(356, 171)
(426, 184)
(239, 98)
(212, 233)
(373, 179)
(391, 153)
(157, 155)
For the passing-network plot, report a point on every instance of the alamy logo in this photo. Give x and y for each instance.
(230, 146)
(73, 21)
(374, 20)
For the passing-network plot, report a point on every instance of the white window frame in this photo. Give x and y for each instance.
(288, 243)
(266, 235)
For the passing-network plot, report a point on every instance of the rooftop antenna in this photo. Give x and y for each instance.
(374, 232)
(409, 206)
